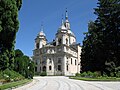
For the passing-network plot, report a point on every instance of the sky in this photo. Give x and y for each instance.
(33, 13)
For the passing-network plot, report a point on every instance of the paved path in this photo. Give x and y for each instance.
(64, 83)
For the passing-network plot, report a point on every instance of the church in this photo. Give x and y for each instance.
(59, 57)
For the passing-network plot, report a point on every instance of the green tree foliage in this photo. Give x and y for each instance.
(23, 64)
(9, 25)
(103, 42)
(18, 53)
(108, 13)
(112, 69)
(89, 55)
(19, 4)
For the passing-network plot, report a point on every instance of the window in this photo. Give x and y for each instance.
(59, 60)
(59, 67)
(37, 45)
(44, 68)
(50, 61)
(66, 41)
(60, 41)
(71, 60)
(54, 43)
(50, 68)
(67, 67)
(75, 62)
(35, 69)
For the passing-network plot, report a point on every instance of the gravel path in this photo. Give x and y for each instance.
(64, 83)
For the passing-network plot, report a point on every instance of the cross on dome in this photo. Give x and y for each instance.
(41, 32)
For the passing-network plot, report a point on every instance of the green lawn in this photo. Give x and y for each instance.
(14, 84)
(96, 79)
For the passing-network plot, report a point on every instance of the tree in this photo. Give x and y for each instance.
(19, 4)
(9, 25)
(108, 23)
(107, 47)
(89, 50)
(31, 69)
(23, 64)
(18, 53)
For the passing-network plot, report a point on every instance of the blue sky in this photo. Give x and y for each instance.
(34, 12)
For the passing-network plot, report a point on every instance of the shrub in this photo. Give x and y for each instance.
(43, 74)
(104, 74)
(84, 74)
(77, 74)
(90, 74)
(112, 74)
(37, 73)
(118, 74)
(96, 74)
(1, 75)
(10, 75)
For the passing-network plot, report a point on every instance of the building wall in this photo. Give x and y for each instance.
(54, 53)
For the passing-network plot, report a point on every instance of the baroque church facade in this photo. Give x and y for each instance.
(59, 57)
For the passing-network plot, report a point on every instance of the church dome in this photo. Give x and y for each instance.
(42, 33)
(63, 27)
(70, 32)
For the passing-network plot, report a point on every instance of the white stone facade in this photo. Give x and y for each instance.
(59, 57)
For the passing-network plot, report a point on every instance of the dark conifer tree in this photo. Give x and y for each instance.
(9, 25)
(108, 23)
(107, 45)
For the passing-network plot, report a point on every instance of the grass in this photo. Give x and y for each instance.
(14, 84)
(96, 79)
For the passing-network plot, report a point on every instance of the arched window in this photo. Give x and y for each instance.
(71, 60)
(50, 61)
(60, 41)
(35, 69)
(44, 68)
(66, 41)
(50, 68)
(67, 67)
(59, 67)
(75, 62)
(37, 45)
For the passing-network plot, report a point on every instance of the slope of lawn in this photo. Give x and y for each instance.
(14, 84)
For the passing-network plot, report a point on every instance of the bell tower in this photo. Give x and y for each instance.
(40, 40)
(64, 34)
